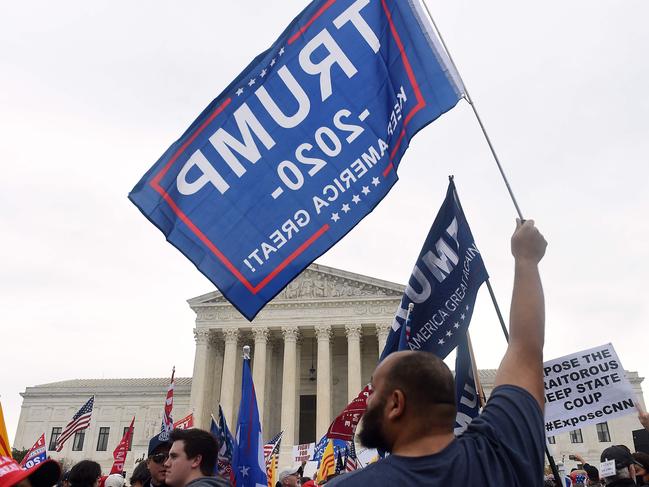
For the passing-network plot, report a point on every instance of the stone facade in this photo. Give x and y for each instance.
(49, 406)
(329, 320)
(313, 347)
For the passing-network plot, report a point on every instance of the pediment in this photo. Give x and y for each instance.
(319, 282)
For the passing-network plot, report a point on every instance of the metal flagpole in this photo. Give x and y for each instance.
(477, 115)
(476, 377)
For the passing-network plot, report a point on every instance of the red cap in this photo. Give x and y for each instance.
(44, 474)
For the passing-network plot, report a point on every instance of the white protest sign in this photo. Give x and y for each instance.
(607, 469)
(583, 388)
(301, 453)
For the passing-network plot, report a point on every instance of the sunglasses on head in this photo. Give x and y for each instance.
(159, 457)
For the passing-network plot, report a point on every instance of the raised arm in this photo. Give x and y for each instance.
(522, 364)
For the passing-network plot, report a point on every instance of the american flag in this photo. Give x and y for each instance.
(339, 464)
(272, 446)
(167, 419)
(80, 421)
(351, 463)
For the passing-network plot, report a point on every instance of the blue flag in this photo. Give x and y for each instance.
(249, 466)
(301, 146)
(443, 285)
(404, 334)
(222, 434)
(338, 444)
(466, 395)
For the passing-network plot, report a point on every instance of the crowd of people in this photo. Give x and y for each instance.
(410, 415)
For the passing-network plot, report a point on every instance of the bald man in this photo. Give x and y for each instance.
(411, 412)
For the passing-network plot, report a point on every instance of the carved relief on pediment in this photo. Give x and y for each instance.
(311, 284)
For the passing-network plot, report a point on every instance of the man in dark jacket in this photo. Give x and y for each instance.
(192, 460)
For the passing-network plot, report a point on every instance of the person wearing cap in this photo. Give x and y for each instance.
(289, 476)
(641, 470)
(157, 455)
(44, 474)
(593, 473)
(114, 480)
(625, 466)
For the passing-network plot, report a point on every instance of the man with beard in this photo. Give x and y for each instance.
(411, 412)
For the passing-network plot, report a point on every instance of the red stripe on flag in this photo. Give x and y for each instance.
(303, 29)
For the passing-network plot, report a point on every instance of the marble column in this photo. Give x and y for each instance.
(289, 380)
(323, 385)
(382, 332)
(353, 333)
(260, 334)
(200, 389)
(230, 358)
(218, 348)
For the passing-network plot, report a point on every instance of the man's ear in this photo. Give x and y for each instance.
(396, 404)
(196, 461)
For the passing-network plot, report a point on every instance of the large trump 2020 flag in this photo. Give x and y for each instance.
(301, 146)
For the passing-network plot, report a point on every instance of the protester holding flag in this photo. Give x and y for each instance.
(412, 411)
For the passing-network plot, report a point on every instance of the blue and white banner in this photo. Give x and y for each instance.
(443, 285)
(466, 394)
(301, 146)
(248, 463)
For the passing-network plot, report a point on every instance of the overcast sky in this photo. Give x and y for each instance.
(92, 93)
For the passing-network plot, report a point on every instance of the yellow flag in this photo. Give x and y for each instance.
(327, 464)
(5, 450)
(271, 471)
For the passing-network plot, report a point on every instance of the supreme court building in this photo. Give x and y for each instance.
(313, 348)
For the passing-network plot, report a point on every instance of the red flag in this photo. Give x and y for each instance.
(167, 420)
(185, 423)
(344, 426)
(120, 452)
(36, 454)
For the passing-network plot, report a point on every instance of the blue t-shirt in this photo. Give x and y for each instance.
(503, 447)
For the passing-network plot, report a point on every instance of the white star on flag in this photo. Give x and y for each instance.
(272, 62)
(345, 208)
(263, 72)
(375, 181)
(356, 198)
(251, 82)
(281, 51)
(467, 307)
(449, 333)
(441, 341)
(456, 325)
(365, 190)
(244, 471)
(462, 316)
(239, 91)
(335, 217)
